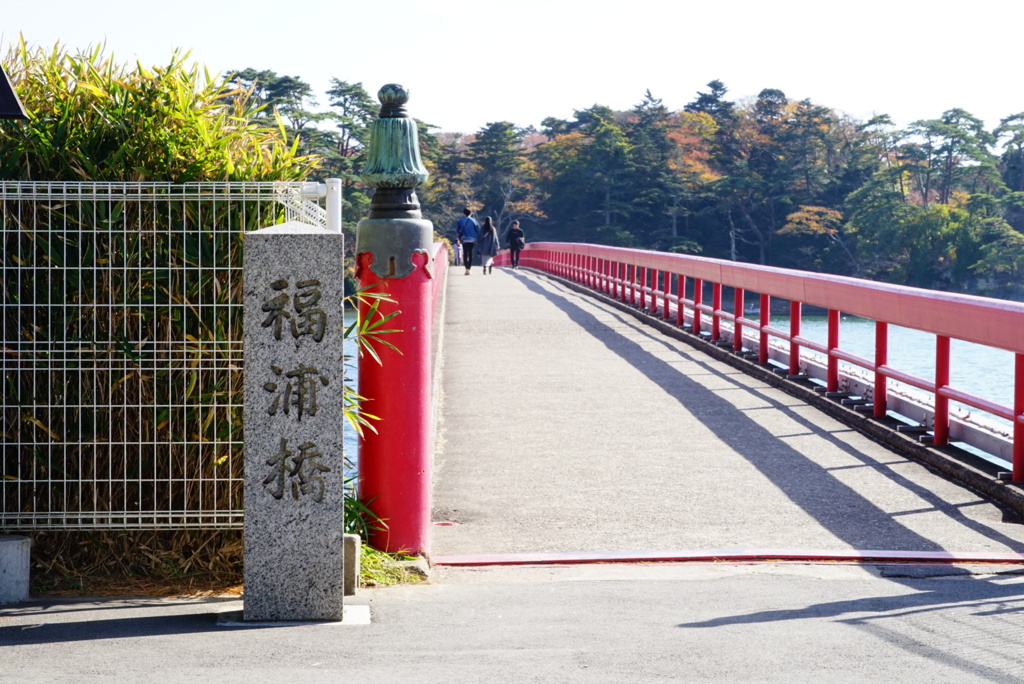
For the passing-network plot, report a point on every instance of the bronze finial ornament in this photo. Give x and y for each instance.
(395, 229)
(393, 164)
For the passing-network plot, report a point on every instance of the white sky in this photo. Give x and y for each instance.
(470, 62)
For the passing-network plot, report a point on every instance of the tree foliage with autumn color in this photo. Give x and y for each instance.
(768, 180)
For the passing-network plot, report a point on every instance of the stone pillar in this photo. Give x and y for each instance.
(394, 257)
(294, 467)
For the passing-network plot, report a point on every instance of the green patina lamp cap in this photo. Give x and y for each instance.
(393, 98)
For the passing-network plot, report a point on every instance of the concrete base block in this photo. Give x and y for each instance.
(353, 549)
(14, 567)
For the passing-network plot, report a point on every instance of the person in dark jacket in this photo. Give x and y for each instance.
(466, 232)
(516, 242)
(487, 245)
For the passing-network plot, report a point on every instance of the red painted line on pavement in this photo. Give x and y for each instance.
(727, 555)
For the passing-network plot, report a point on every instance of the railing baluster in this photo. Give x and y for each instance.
(737, 312)
(716, 307)
(655, 291)
(764, 320)
(644, 284)
(940, 427)
(881, 391)
(667, 292)
(680, 296)
(653, 279)
(832, 374)
(698, 301)
(794, 332)
(1018, 419)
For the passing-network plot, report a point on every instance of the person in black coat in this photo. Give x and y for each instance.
(516, 242)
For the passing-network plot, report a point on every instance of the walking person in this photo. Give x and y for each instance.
(466, 232)
(516, 242)
(487, 245)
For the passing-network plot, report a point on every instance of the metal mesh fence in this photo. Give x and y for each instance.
(122, 350)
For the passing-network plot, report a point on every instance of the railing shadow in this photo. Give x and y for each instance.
(157, 619)
(838, 507)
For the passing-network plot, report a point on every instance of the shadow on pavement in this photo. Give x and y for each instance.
(835, 505)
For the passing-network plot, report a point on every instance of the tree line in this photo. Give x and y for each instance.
(937, 204)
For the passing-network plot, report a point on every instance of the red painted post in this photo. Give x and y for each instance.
(1018, 419)
(795, 311)
(881, 390)
(832, 374)
(940, 429)
(656, 292)
(698, 301)
(632, 285)
(737, 312)
(764, 320)
(716, 306)
(394, 255)
(666, 311)
(652, 279)
(680, 296)
(652, 286)
(666, 294)
(644, 283)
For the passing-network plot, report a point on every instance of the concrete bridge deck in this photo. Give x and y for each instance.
(570, 426)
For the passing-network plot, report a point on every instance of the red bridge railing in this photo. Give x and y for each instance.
(659, 282)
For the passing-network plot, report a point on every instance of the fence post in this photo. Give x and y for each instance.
(394, 257)
(333, 205)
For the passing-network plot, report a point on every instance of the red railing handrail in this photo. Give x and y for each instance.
(990, 322)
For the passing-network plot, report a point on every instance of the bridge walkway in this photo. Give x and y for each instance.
(566, 425)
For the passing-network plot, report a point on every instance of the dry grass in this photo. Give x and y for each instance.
(146, 563)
